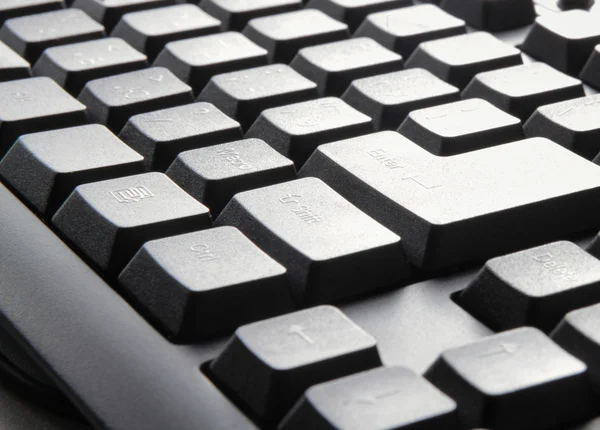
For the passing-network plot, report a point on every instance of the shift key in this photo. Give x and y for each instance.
(332, 250)
(451, 211)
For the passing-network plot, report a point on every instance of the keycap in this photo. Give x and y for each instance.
(113, 100)
(492, 15)
(296, 130)
(109, 221)
(333, 66)
(459, 127)
(353, 12)
(14, 8)
(44, 168)
(32, 105)
(74, 65)
(402, 30)
(382, 398)
(12, 65)
(390, 97)
(590, 71)
(520, 90)
(331, 249)
(283, 35)
(161, 135)
(577, 333)
(235, 14)
(564, 40)
(514, 380)
(243, 95)
(28, 36)
(110, 12)
(466, 208)
(150, 30)
(534, 287)
(214, 174)
(458, 59)
(205, 283)
(571, 123)
(196, 60)
(269, 364)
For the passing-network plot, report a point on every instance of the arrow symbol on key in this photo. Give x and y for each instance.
(503, 348)
(299, 331)
(372, 399)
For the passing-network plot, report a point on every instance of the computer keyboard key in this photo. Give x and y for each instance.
(243, 95)
(206, 283)
(161, 135)
(15, 8)
(269, 364)
(110, 12)
(30, 35)
(458, 59)
(196, 60)
(492, 15)
(466, 208)
(12, 65)
(285, 34)
(402, 30)
(572, 124)
(32, 105)
(109, 221)
(578, 334)
(520, 90)
(333, 66)
(383, 398)
(564, 40)
(591, 70)
(113, 100)
(390, 97)
(44, 168)
(353, 12)
(150, 30)
(519, 379)
(296, 130)
(535, 287)
(235, 14)
(460, 127)
(332, 250)
(74, 65)
(213, 175)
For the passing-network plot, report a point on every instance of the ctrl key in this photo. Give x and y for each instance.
(268, 365)
(383, 398)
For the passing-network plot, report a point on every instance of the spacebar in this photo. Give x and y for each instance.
(114, 367)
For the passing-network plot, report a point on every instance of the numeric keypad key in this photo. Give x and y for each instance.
(112, 101)
(269, 364)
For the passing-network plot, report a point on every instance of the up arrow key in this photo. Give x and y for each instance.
(299, 330)
(503, 348)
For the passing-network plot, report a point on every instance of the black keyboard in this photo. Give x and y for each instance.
(300, 214)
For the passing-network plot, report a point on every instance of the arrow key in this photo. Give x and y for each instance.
(267, 365)
(518, 379)
(383, 398)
